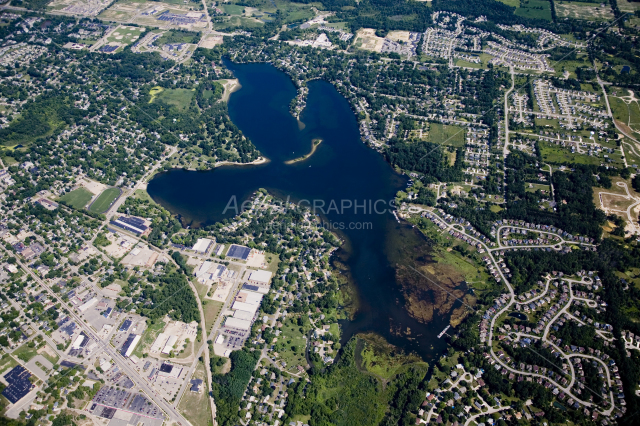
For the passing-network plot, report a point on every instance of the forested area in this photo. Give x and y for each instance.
(228, 388)
(170, 295)
(427, 158)
(341, 395)
(40, 117)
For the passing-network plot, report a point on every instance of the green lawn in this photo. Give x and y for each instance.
(142, 194)
(537, 9)
(233, 9)
(195, 406)
(105, 200)
(445, 134)
(291, 346)
(126, 34)
(533, 187)
(148, 337)
(211, 311)
(177, 37)
(7, 362)
(78, 198)
(25, 353)
(619, 108)
(180, 98)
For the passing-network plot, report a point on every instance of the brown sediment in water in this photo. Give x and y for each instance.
(428, 287)
(349, 301)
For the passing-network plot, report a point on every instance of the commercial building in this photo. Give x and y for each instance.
(89, 303)
(202, 245)
(238, 324)
(125, 325)
(203, 269)
(260, 278)
(77, 344)
(130, 345)
(131, 224)
(170, 371)
(168, 347)
(239, 252)
(19, 384)
(242, 306)
(244, 315)
(196, 384)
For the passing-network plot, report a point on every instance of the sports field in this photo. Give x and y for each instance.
(126, 34)
(104, 201)
(78, 198)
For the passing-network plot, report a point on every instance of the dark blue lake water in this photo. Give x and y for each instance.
(342, 168)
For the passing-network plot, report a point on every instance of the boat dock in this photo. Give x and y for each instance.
(443, 331)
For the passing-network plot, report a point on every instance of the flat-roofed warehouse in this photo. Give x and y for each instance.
(202, 245)
(131, 224)
(260, 278)
(239, 252)
(237, 323)
(19, 384)
(244, 315)
(168, 347)
(249, 297)
(242, 306)
(130, 345)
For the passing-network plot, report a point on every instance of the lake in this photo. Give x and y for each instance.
(342, 170)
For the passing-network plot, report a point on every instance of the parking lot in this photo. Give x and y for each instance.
(138, 325)
(123, 400)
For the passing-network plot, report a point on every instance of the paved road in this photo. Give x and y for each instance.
(170, 411)
(512, 300)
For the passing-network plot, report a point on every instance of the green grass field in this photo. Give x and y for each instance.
(104, 201)
(291, 346)
(142, 194)
(180, 98)
(557, 155)
(7, 362)
(445, 134)
(25, 353)
(233, 9)
(237, 21)
(584, 10)
(533, 187)
(78, 198)
(537, 9)
(170, 37)
(148, 337)
(211, 311)
(512, 3)
(195, 406)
